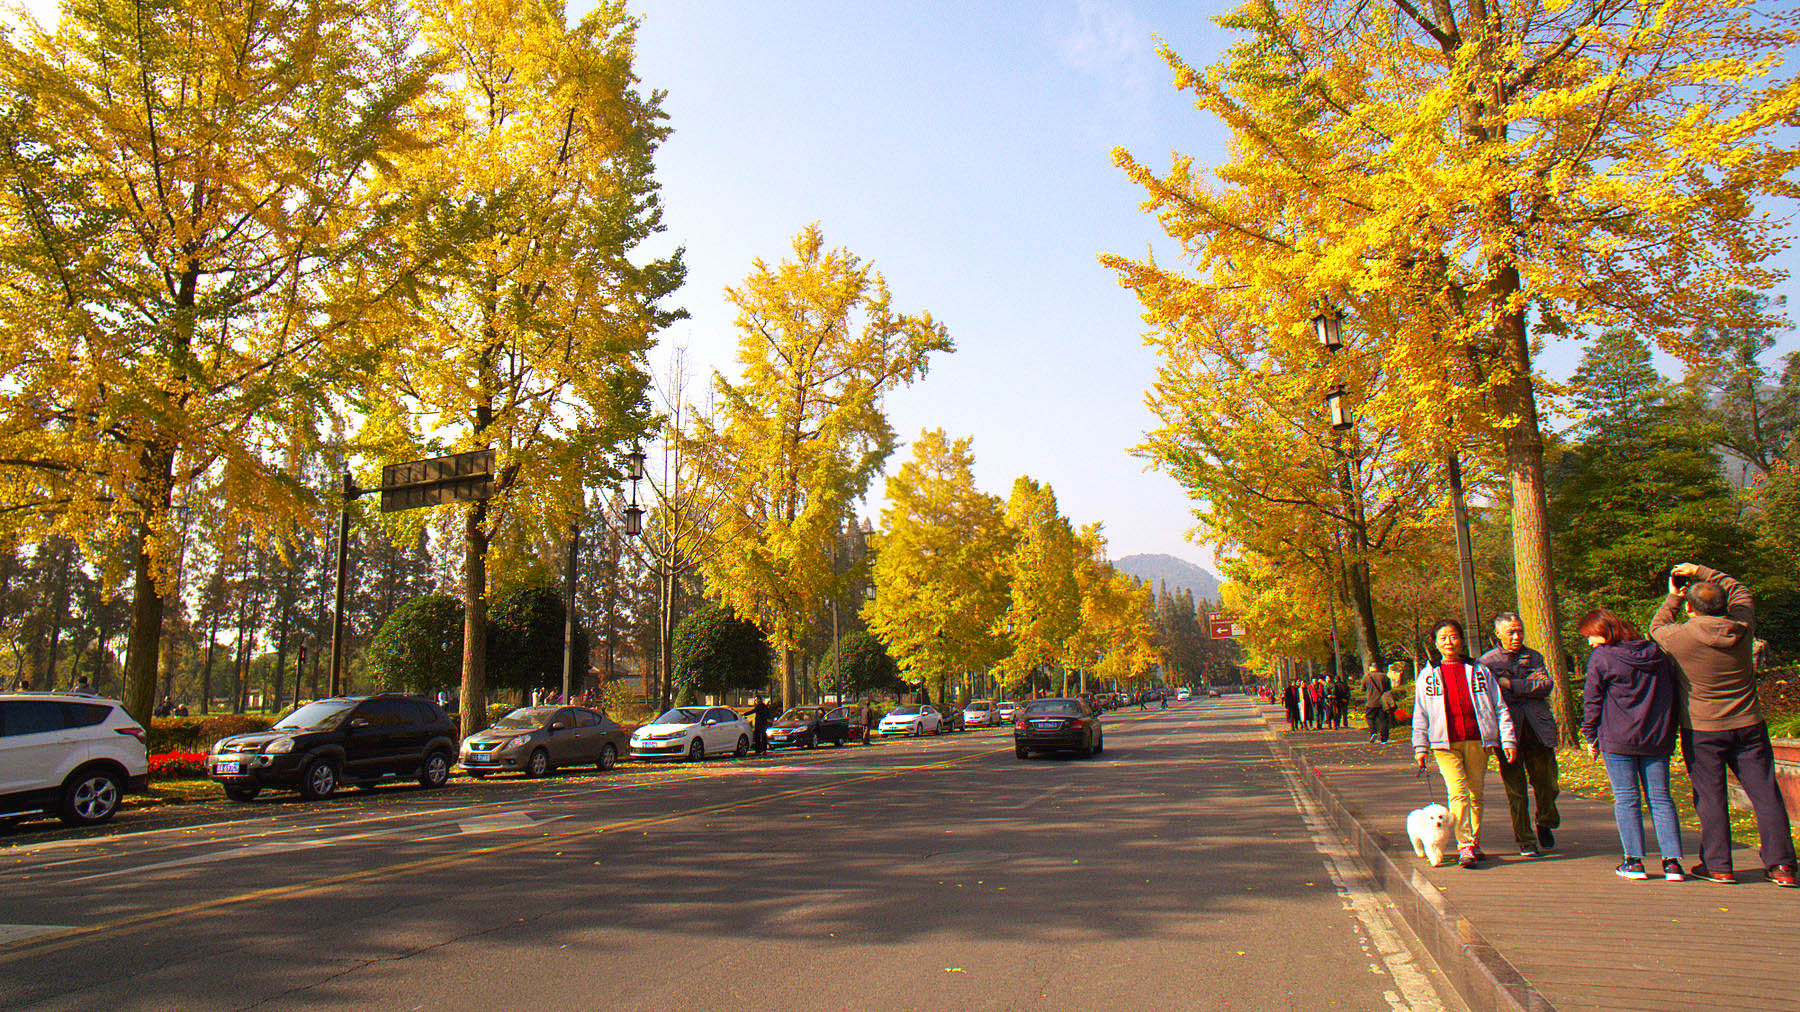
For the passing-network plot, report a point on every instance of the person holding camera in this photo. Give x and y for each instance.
(1525, 687)
(1459, 718)
(1722, 724)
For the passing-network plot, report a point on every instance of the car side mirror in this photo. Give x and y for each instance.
(557, 725)
(708, 722)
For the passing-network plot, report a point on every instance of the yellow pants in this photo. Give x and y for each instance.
(1463, 766)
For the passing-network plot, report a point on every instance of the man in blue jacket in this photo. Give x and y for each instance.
(1525, 688)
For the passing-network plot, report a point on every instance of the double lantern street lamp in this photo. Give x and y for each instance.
(634, 525)
(1329, 328)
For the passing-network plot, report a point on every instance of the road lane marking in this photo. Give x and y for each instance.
(56, 940)
(1416, 992)
(1034, 799)
(19, 932)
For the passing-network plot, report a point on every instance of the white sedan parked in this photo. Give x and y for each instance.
(912, 720)
(980, 713)
(692, 732)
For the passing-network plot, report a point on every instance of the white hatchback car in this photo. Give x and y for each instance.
(912, 720)
(692, 732)
(980, 713)
(74, 755)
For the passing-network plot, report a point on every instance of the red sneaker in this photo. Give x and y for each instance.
(1702, 872)
(1783, 875)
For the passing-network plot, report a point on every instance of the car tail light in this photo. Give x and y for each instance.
(135, 732)
(1020, 726)
(1076, 725)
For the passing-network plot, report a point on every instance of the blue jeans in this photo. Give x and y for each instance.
(1651, 772)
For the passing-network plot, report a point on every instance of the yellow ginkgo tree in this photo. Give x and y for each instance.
(195, 207)
(1460, 175)
(531, 341)
(801, 433)
(939, 594)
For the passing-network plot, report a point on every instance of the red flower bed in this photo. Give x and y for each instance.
(178, 765)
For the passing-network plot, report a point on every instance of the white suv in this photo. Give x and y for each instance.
(74, 755)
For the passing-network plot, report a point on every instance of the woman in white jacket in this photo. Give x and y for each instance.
(1459, 718)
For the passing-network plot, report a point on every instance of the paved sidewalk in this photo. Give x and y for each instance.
(1558, 931)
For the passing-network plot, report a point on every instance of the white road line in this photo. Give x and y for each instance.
(1040, 796)
(19, 932)
(1416, 992)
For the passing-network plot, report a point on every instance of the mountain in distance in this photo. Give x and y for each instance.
(1178, 574)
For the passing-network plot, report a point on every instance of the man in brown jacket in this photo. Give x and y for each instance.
(1722, 724)
(1374, 683)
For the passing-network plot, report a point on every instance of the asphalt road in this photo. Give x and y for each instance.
(1178, 870)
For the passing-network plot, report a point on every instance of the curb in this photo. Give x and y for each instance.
(1481, 976)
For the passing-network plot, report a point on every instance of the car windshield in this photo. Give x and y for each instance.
(1054, 708)
(682, 715)
(978, 706)
(801, 715)
(526, 718)
(326, 713)
(904, 711)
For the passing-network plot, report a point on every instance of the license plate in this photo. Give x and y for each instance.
(1046, 724)
(228, 766)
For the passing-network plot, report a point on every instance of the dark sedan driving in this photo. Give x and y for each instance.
(1057, 725)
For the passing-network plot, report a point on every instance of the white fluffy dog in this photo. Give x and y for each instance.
(1429, 828)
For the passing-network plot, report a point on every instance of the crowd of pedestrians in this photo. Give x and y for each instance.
(1317, 704)
(1689, 684)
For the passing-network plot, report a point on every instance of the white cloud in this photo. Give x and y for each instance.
(1106, 41)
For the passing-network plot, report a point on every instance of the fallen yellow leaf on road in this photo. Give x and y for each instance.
(954, 969)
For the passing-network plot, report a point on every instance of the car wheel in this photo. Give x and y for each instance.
(318, 780)
(90, 797)
(242, 793)
(538, 764)
(812, 743)
(696, 750)
(609, 757)
(1021, 751)
(1100, 744)
(743, 746)
(436, 771)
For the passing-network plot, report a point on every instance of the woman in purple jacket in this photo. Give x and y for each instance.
(1629, 722)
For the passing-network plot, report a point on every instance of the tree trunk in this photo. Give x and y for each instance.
(284, 603)
(790, 680)
(212, 637)
(474, 667)
(142, 647)
(1534, 575)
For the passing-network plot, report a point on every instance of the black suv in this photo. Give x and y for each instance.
(358, 739)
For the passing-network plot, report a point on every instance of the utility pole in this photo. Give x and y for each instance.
(350, 492)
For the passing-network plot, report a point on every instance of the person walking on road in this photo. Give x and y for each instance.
(868, 723)
(760, 713)
(1722, 722)
(1375, 684)
(1628, 719)
(1459, 718)
(1525, 687)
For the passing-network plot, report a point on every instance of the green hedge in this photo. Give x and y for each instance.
(197, 734)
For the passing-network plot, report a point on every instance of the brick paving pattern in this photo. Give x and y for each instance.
(1582, 936)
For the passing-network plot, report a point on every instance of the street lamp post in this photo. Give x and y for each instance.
(1329, 327)
(634, 469)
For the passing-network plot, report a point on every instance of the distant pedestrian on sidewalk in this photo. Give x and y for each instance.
(1459, 718)
(1525, 688)
(1340, 703)
(1375, 685)
(1722, 723)
(761, 713)
(1290, 701)
(1629, 722)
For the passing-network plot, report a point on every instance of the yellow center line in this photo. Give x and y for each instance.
(38, 945)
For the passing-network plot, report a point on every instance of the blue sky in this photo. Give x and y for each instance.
(964, 149)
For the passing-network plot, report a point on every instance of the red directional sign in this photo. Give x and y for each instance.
(1224, 627)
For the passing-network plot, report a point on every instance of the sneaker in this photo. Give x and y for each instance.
(1528, 851)
(1672, 871)
(1783, 875)
(1631, 868)
(1468, 857)
(1546, 838)
(1374, 738)
(1726, 877)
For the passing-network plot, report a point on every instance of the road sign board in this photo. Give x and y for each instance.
(457, 477)
(1222, 627)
